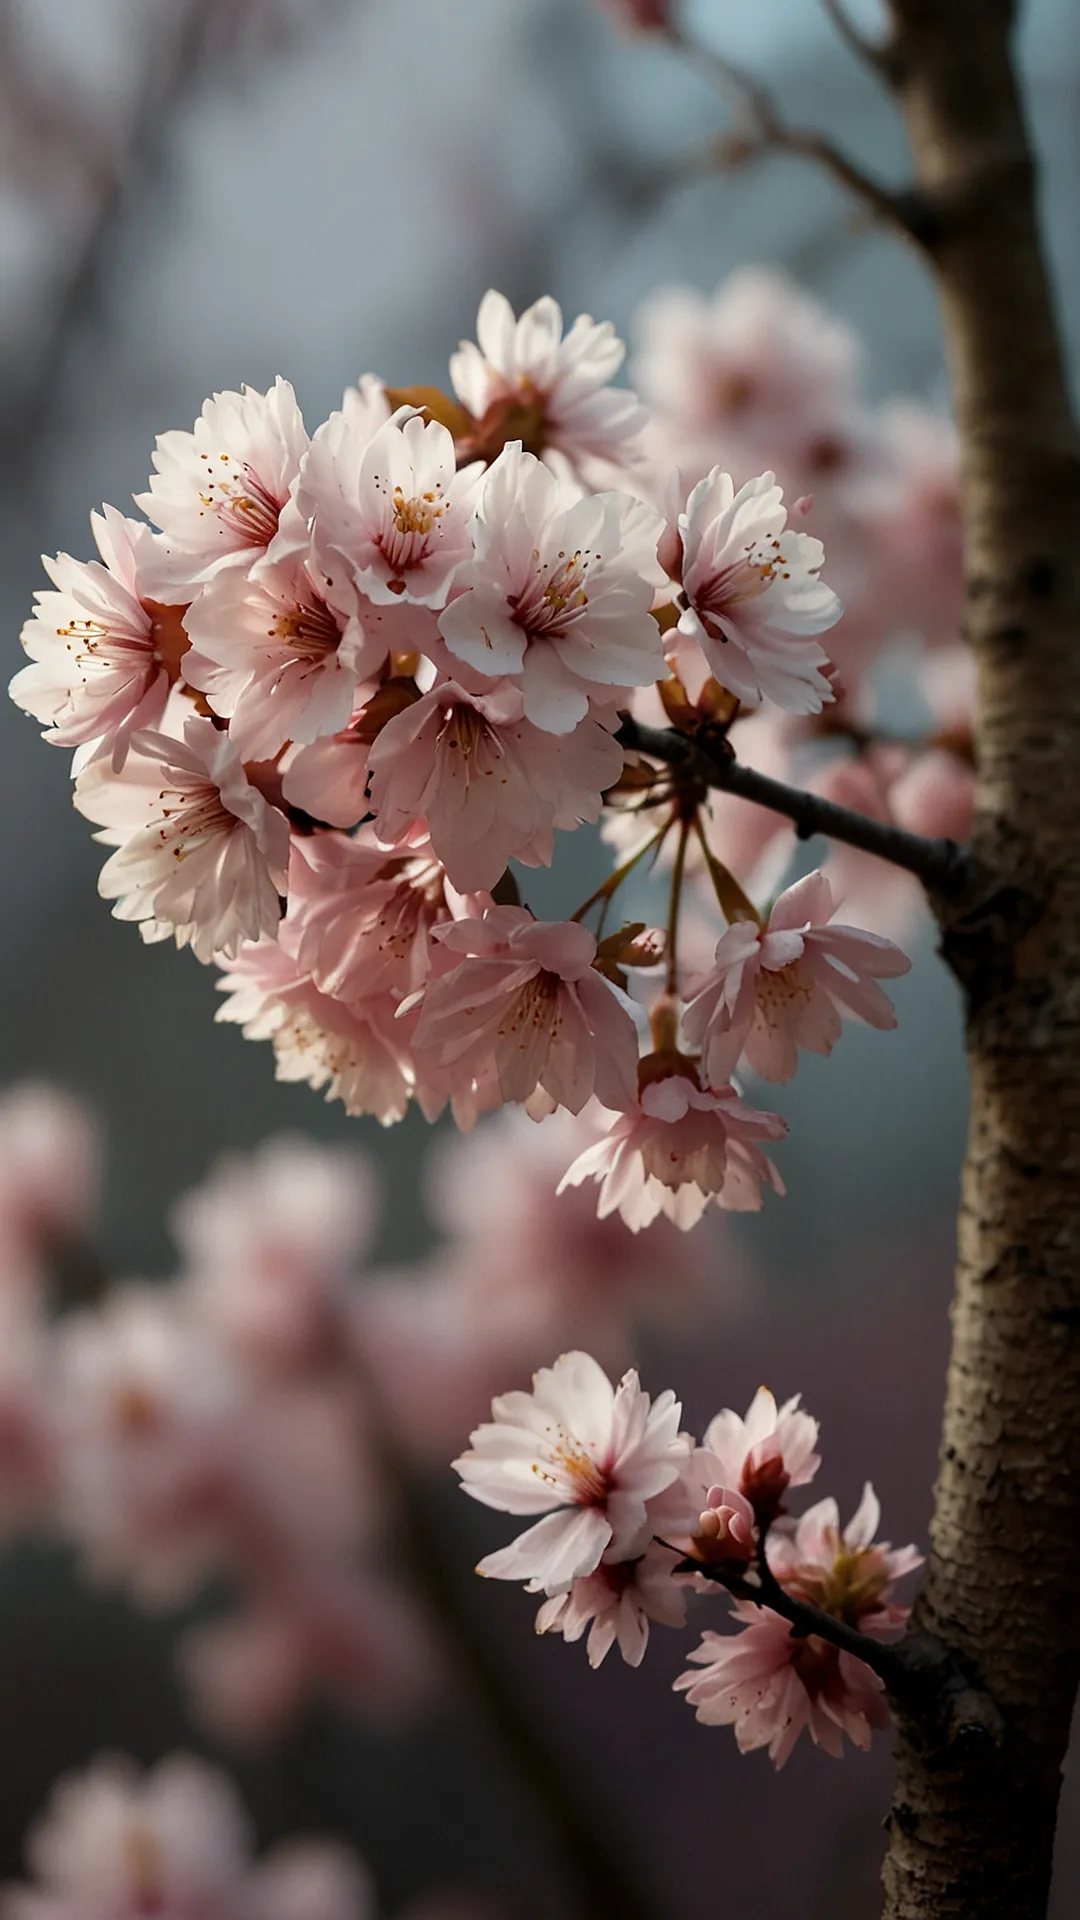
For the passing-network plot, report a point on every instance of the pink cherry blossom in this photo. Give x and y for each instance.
(558, 597)
(764, 1454)
(678, 1149)
(754, 595)
(616, 1604)
(759, 368)
(103, 654)
(771, 1685)
(269, 1241)
(410, 526)
(50, 1172)
(593, 1453)
(354, 1049)
(361, 916)
(115, 1844)
(218, 492)
(329, 778)
(488, 783)
(525, 380)
(274, 660)
(781, 986)
(526, 996)
(201, 855)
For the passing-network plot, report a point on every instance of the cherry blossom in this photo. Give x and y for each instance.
(559, 594)
(361, 916)
(754, 595)
(616, 1604)
(218, 492)
(523, 380)
(769, 1684)
(177, 1841)
(488, 783)
(526, 996)
(352, 1048)
(679, 1148)
(410, 530)
(201, 855)
(274, 660)
(781, 986)
(763, 1454)
(592, 1452)
(103, 654)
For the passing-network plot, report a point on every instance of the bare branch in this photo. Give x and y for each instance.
(767, 132)
(943, 867)
(878, 54)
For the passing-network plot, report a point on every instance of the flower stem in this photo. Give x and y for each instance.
(673, 911)
(614, 880)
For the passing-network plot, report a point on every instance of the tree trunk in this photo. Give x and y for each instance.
(971, 1830)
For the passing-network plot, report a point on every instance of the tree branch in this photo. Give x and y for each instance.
(906, 208)
(878, 54)
(806, 1620)
(943, 867)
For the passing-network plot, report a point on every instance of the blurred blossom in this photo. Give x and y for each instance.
(50, 1177)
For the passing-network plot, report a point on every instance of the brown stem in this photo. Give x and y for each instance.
(973, 1837)
(943, 867)
(767, 132)
(764, 1590)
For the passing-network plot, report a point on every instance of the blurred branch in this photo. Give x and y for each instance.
(878, 54)
(767, 132)
(604, 1873)
(942, 866)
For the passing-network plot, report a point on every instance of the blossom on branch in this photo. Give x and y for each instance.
(754, 596)
(771, 1684)
(616, 1604)
(593, 1452)
(200, 854)
(778, 987)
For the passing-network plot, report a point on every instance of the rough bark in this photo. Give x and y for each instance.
(971, 1831)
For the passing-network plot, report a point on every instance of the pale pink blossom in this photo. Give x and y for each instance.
(559, 595)
(328, 779)
(355, 1049)
(875, 893)
(616, 1604)
(586, 1455)
(274, 660)
(523, 379)
(935, 795)
(771, 1685)
(526, 996)
(776, 987)
(270, 1241)
(913, 516)
(29, 1449)
(763, 1454)
(201, 855)
(218, 492)
(488, 783)
(754, 593)
(115, 1844)
(361, 917)
(103, 655)
(678, 1149)
(758, 369)
(50, 1171)
(408, 526)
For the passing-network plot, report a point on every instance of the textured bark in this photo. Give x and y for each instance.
(971, 1830)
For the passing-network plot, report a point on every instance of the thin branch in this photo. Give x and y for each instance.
(878, 54)
(765, 1591)
(906, 208)
(943, 867)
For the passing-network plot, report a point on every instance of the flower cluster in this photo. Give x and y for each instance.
(235, 1423)
(177, 1841)
(336, 693)
(634, 1512)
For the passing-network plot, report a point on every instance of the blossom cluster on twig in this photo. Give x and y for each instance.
(635, 1512)
(337, 694)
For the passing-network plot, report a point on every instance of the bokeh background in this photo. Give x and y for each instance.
(195, 193)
